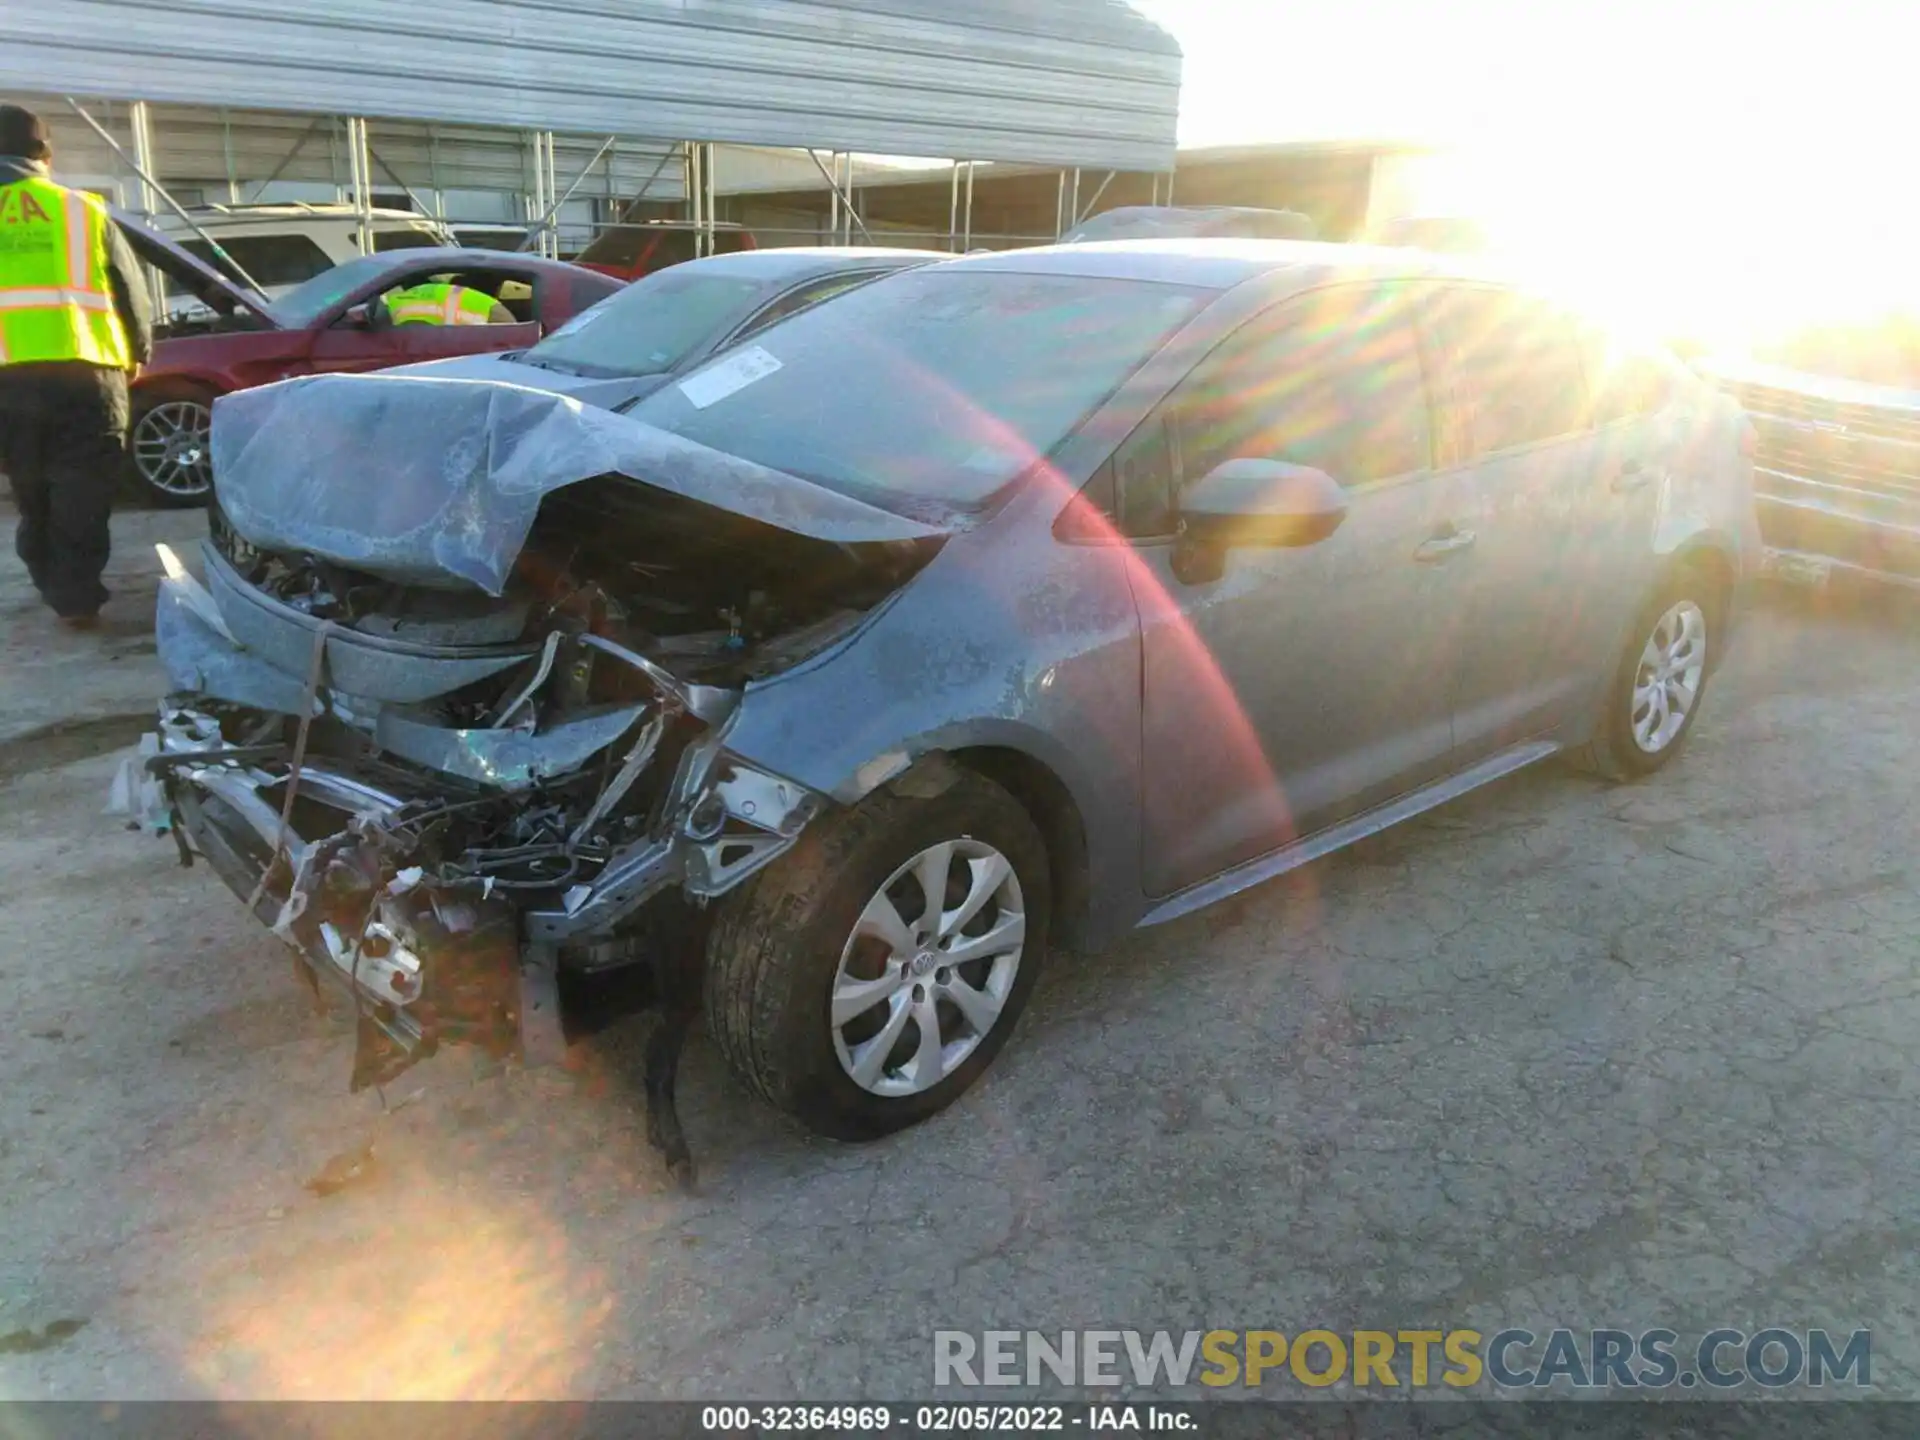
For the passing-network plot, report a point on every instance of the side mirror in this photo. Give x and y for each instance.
(358, 317)
(1247, 503)
(1263, 502)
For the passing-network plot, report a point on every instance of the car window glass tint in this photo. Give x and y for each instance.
(1333, 380)
(793, 304)
(1625, 382)
(1143, 483)
(649, 327)
(272, 260)
(1517, 371)
(385, 240)
(941, 384)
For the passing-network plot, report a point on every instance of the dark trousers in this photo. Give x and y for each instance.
(63, 437)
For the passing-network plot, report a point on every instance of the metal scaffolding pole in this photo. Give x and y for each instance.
(627, 211)
(226, 146)
(1060, 207)
(140, 122)
(360, 169)
(697, 193)
(550, 239)
(146, 178)
(853, 207)
(688, 164)
(833, 189)
(953, 213)
(710, 207)
(287, 159)
(966, 243)
(1094, 203)
(540, 228)
(1074, 209)
(842, 203)
(394, 175)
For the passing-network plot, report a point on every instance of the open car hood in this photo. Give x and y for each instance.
(199, 279)
(436, 482)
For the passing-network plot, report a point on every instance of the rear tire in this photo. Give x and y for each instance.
(1660, 679)
(168, 447)
(822, 1015)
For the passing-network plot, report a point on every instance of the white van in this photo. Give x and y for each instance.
(280, 246)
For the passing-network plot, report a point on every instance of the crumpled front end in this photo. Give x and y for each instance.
(445, 803)
(440, 827)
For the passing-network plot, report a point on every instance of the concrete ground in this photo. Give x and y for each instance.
(1560, 1054)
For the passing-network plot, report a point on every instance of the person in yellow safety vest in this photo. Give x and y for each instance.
(74, 327)
(441, 304)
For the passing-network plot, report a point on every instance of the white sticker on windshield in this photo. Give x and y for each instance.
(725, 376)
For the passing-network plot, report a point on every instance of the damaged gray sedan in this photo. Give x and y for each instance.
(1019, 598)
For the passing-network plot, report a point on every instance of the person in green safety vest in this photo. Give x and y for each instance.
(75, 325)
(444, 304)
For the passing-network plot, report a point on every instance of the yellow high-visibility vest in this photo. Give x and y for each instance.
(440, 305)
(55, 299)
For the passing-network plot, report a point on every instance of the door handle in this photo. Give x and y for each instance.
(1635, 476)
(1444, 546)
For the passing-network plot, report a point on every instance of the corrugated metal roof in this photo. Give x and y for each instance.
(1054, 82)
(199, 147)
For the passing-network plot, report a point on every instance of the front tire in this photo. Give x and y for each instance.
(865, 980)
(170, 445)
(1656, 690)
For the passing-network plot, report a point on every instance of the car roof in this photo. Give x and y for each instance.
(801, 262)
(1214, 264)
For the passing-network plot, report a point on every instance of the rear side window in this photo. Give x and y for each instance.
(795, 301)
(385, 240)
(1332, 380)
(1516, 369)
(272, 260)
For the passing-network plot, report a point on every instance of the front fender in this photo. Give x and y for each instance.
(1010, 640)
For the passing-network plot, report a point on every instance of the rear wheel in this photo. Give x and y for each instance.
(171, 444)
(868, 978)
(1654, 696)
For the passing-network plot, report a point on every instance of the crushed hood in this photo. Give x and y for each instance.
(616, 393)
(436, 482)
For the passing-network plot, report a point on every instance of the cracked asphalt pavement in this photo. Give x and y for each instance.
(1559, 1054)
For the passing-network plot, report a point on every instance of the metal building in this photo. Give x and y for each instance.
(466, 98)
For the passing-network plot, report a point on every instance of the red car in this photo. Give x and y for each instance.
(631, 252)
(332, 322)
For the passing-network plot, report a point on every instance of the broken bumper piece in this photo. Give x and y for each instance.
(440, 877)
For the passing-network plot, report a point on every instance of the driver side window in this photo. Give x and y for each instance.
(1331, 380)
(444, 297)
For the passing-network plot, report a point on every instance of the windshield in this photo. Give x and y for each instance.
(940, 384)
(306, 303)
(649, 327)
(269, 261)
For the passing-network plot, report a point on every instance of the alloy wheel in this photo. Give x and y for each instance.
(928, 969)
(172, 448)
(1667, 681)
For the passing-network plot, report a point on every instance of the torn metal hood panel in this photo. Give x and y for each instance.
(436, 482)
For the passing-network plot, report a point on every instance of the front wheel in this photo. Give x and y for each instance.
(865, 980)
(1654, 695)
(171, 445)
